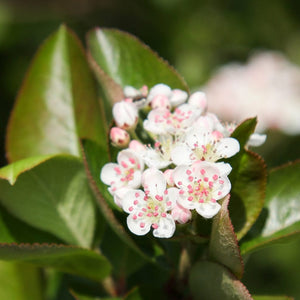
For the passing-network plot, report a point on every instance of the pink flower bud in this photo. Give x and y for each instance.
(198, 99)
(168, 174)
(136, 146)
(181, 214)
(160, 101)
(125, 114)
(119, 137)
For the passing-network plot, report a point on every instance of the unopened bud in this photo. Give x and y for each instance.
(178, 97)
(119, 137)
(125, 115)
(181, 214)
(199, 100)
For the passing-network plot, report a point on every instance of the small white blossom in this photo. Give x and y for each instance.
(127, 173)
(163, 121)
(204, 145)
(201, 186)
(150, 208)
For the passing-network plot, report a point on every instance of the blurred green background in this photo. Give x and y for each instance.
(194, 36)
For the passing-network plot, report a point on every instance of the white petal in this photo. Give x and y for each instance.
(227, 147)
(153, 159)
(159, 89)
(133, 200)
(180, 176)
(154, 181)
(208, 210)
(172, 196)
(138, 226)
(119, 195)
(184, 202)
(130, 91)
(180, 155)
(130, 158)
(198, 99)
(222, 188)
(108, 173)
(256, 139)
(178, 97)
(136, 181)
(224, 168)
(166, 227)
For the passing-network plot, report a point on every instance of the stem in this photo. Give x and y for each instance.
(109, 286)
(184, 263)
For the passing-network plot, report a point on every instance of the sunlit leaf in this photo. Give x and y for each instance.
(53, 196)
(281, 218)
(57, 103)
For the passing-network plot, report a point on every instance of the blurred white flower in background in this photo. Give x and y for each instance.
(268, 87)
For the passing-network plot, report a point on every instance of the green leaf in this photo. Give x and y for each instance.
(210, 280)
(53, 196)
(281, 220)
(57, 103)
(119, 57)
(272, 298)
(14, 230)
(20, 282)
(248, 192)
(223, 246)
(70, 259)
(134, 294)
(95, 157)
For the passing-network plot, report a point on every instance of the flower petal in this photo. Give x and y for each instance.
(108, 173)
(133, 200)
(166, 227)
(227, 147)
(180, 155)
(171, 198)
(180, 176)
(130, 159)
(154, 181)
(138, 226)
(208, 210)
(178, 97)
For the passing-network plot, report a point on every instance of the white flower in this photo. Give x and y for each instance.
(178, 97)
(127, 173)
(201, 186)
(159, 89)
(204, 145)
(125, 114)
(149, 208)
(163, 121)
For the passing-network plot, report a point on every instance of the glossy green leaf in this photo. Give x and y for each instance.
(134, 294)
(53, 196)
(14, 230)
(95, 158)
(57, 103)
(70, 259)
(248, 192)
(223, 246)
(209, 280)
(272, 298)
(281, 219)
(126, 60)
(20, 282)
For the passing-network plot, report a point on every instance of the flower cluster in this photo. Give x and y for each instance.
(171, 166)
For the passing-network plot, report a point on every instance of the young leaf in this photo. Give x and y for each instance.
(282, 208)
(121, 57)
(223, 246)
(20, 282)
(70, 259)
(53, 196)
(57, 103)
(248, 192)
(209, 280)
